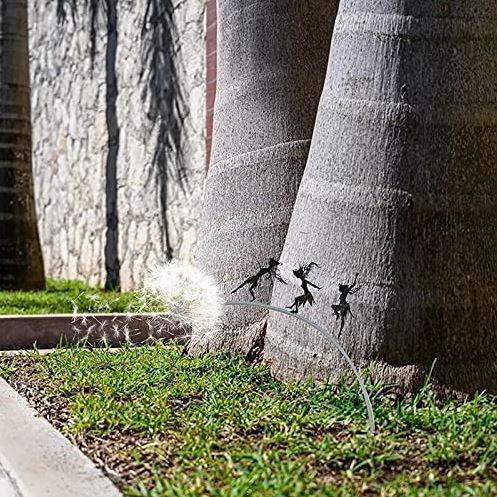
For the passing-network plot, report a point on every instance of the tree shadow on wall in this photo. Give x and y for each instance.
(166, 109)
(166, 104)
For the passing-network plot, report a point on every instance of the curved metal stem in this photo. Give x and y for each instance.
(331, 338)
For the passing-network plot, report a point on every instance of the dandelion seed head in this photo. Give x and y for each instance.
(103, 339)
(186, 293)
(74, 310)
(116, 331)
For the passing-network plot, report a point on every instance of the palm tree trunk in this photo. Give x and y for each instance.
(401, 187)
(271, 68)
(21, 263)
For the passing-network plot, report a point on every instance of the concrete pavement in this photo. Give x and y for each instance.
(37, 461)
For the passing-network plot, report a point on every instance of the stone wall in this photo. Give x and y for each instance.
(71, 121)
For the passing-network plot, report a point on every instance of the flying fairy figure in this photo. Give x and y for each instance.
(342, 309)
(302, 273)
(271, 272)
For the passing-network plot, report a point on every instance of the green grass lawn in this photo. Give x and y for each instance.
(61, 297)
(163, 424)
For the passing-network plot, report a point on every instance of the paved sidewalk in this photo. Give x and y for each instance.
(7, 487)
(37, 461)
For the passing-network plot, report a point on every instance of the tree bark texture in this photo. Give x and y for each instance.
(400, 186)
(21, 263)
(272, 61)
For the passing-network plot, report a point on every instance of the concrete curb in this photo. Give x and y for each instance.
(37, 461)
(113, 330)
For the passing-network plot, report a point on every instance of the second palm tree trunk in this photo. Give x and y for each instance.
(21, 263)
(401, 187)
(271, 69)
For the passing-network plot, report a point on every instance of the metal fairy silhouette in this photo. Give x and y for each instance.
(342, 309)
(302, 273)
(271, 272)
